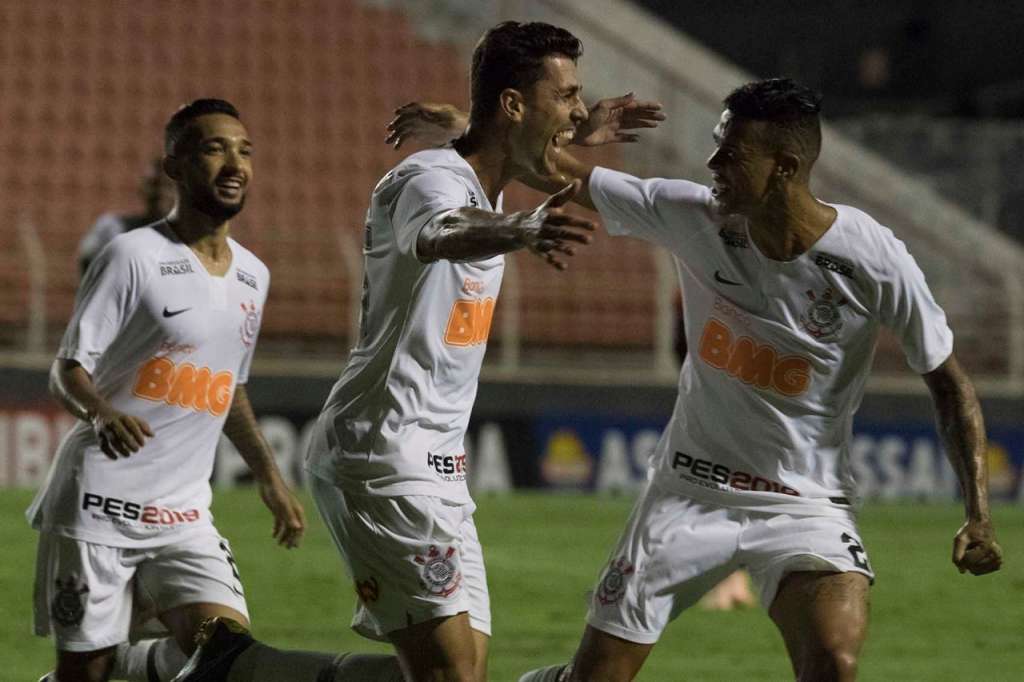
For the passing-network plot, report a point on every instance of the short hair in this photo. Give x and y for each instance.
(791, 110)
(511, 55)
(176, 130)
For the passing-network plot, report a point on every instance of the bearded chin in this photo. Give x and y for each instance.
(215, 208)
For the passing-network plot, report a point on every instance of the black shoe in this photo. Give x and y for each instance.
(218, 643)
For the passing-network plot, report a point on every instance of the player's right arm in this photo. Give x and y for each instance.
(118, 434)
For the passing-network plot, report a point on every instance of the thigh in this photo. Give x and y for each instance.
(185, 582)
(439, 649)
(672, 551)
(405, 555)
(83, 594)
(823, 616)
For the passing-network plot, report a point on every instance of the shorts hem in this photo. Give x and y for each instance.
(623, 633)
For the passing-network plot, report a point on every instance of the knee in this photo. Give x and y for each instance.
(838, 664)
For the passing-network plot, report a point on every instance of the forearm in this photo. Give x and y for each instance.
(567, 169)
(244, 433)
(469, 234)
(73, 388)
(962, 429)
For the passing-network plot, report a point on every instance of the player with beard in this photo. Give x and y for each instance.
(154, 364)
(785, 296)
(387, 457)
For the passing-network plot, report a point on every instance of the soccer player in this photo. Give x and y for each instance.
(387, 458)
(157, 192)
(154, 364)
(785, 298)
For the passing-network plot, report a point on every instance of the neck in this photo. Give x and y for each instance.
(203, 234)
(788, 226)
(487, 154)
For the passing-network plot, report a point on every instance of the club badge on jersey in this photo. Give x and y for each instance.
(823, 316)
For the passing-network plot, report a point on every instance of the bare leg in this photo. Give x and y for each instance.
(184, 621)
(823, 618)
(441, 649)
(606, 658)
(85, 666)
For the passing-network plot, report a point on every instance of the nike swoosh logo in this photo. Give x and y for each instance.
(723, 280)
(172, 313)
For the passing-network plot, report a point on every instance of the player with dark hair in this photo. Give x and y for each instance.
(157, 193)
(785, 298)
(154, 364)
(387, 458)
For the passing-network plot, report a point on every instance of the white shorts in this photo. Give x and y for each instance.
(92, 596)
(675, 549)
(412, 558)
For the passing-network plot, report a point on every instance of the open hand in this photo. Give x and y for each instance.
(610, 117)
(975, 548)
(548, 227)
(425, 123)
(289, 518)
(120, 434)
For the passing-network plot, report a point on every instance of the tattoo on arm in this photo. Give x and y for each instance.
(468, 234)
(962, 429)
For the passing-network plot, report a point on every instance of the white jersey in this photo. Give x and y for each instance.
(779, 352)
(167, 342)
(395, 421)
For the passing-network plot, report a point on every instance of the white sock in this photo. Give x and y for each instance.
(552, 673)
(148, 660)
(262, 663)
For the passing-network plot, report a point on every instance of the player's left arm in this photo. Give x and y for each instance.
(962, 429)
(244, 433)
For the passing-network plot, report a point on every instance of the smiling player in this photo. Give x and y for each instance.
(154, 364)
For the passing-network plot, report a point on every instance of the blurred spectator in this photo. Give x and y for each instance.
(157, 193)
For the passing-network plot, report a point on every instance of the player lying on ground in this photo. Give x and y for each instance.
(785, 298)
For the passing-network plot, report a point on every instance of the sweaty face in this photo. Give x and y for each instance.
(741, 168)
(552, 110)
(217, 166)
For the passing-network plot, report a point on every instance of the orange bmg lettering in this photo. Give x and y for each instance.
(185, 386)
(469, 322)
(753, 363)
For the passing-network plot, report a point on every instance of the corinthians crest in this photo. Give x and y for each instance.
(823, 317)
(439, 574)
(68, 607)
(613, 584)
(251, 323)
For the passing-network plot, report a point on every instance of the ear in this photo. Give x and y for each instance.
(788, 165)
(171, 166)
(512, 104)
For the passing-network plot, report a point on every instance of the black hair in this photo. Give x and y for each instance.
(791, 110)
(176, 130)
(511, 55)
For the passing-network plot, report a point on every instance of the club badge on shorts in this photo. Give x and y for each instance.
(822, 317)
(68, 607)
(439, 575)
(613, 585)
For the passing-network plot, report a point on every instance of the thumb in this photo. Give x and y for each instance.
(960, 543)
(564, 195)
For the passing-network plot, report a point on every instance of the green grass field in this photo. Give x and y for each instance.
(543, 552)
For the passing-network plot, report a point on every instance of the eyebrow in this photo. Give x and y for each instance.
(220, 138)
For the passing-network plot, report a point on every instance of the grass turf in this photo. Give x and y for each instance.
(544, 551)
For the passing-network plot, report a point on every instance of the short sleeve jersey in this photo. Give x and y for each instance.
(779, 352)
(395, 421)
(167, 342)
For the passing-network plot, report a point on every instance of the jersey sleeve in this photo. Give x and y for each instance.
(106, 227)
(909, 309)
(657, 210)
(243, 368)
(427, 196)
(106, 298)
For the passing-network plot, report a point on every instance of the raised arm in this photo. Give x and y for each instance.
(467, 234)
(117, 433)
(244, 433)
(962, 429)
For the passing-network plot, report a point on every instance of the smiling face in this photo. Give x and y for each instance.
(551, 110)
(213, 167)
(741, 167)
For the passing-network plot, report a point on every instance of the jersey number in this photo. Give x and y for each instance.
(856, 551)
(469, 323)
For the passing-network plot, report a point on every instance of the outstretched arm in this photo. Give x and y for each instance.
(962, 429)
(473, 234)
(244, 433)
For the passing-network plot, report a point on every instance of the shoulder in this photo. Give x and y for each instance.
(435, 169)
(249, 261)
(143, 245)
(869, 244)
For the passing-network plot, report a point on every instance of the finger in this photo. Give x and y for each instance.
(646, 105)
(125, 436)
(627, 137)
(135, 429)
(616, 102)
(564, 195)
(105, 447)
(406, 108)
(146, 428)
(959, 548)
(554, 262)
(557, 222)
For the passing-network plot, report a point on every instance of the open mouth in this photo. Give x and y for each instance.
(563, 138)
(231, 187)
